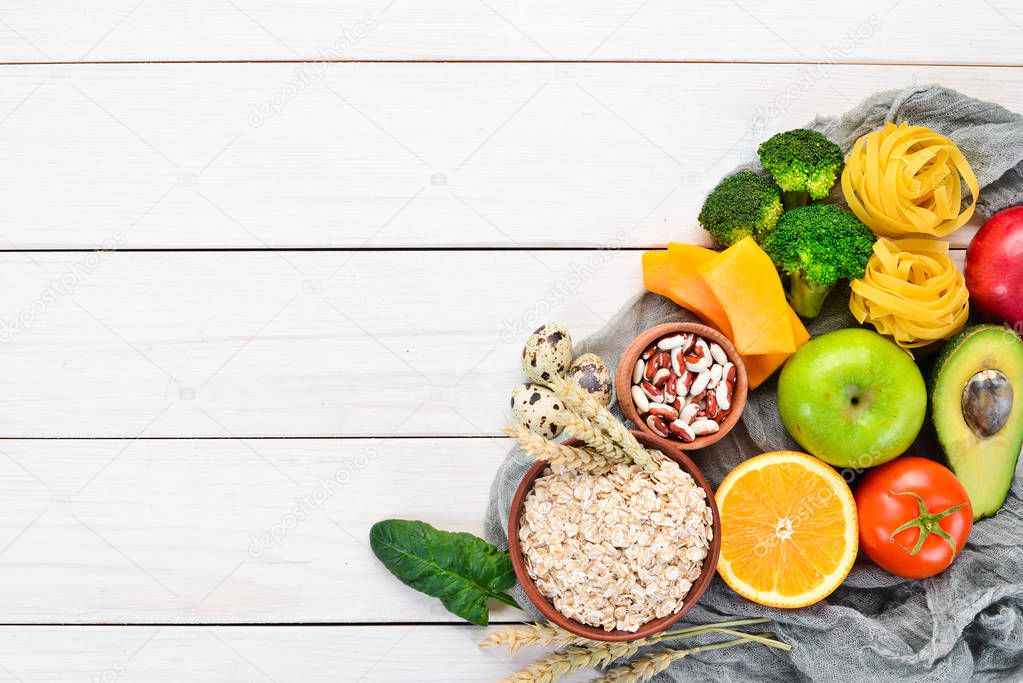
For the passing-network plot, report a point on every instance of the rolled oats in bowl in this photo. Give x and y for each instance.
(617, 546)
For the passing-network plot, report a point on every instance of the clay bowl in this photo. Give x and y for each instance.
(595, 633)
(623, 383)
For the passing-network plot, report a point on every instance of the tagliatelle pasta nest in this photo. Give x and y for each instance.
(904, 180)
(912, 291)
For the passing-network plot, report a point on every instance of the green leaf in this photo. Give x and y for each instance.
(463, 571)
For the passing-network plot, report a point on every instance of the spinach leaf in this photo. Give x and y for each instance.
(462, 570)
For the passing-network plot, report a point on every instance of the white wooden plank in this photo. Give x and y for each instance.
(289, 344)
(225, 531)
(872, 30)
(369, 654)
(401, 155)
(292, 344)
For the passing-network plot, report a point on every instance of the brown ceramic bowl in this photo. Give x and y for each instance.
(592, 632)
(623, 383)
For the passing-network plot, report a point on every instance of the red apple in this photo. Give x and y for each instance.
(994, 268)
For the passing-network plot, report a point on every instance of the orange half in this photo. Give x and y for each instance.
(788, 529)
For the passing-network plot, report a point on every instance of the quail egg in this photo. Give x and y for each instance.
(547, 352)
(589, 371)
(535, 407)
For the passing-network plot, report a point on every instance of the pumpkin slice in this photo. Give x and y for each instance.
(673, 273)
(657, 272)
(689, 286)
(747, 285)
(760, 367)
(676, 274)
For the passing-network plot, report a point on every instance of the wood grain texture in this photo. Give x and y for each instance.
(872, 30)
(186, 533)
(369, 654)
(226, 531)
(285, 344)
(401, 155)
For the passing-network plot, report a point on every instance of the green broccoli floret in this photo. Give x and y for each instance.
(817, 246)
(804, 163)
(741, 205)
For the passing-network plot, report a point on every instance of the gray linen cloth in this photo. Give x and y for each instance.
(966, 623)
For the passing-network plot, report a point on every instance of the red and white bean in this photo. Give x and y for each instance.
(682, 386)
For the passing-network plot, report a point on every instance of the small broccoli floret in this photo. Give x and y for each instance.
(804, 163)
(742, 205)
(817, 246)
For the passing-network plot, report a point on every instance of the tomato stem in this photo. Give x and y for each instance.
(928, 523)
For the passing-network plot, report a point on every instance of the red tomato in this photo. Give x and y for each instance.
(914, 517)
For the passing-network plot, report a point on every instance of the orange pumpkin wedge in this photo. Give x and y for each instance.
(689, 286)
(746, 283)
(678, 274)
(789, 532)
(657, 272)
(760, 367)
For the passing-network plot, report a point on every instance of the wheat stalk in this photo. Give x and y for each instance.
(595, 439)
(582, 653)
(515, 638)
(560, 456)
(646, 667)
(574, 658)
(590, 409)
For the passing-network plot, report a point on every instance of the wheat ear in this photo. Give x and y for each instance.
(515, 638)
(595, 439)
(560, 663)
(574, 658)
(586, 406)
(646, 667)
(560, 456)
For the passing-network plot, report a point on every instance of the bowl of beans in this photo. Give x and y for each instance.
(683, 384)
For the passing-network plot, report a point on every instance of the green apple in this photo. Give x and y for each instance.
(852, 398)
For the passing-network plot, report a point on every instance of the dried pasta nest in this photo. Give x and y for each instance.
(616, 547)
(911, 291)
(904, 180)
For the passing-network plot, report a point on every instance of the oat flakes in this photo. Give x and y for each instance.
(618, 546)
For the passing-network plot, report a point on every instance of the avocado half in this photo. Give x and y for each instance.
(977, 407)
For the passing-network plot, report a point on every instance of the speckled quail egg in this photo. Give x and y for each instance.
(535, 407)
(547, 352)
(589, 371)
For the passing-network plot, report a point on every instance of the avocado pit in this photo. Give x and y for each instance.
(987, 402)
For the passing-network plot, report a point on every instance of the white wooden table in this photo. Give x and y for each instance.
(318, 277)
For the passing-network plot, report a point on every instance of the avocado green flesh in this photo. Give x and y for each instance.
(985, 466)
